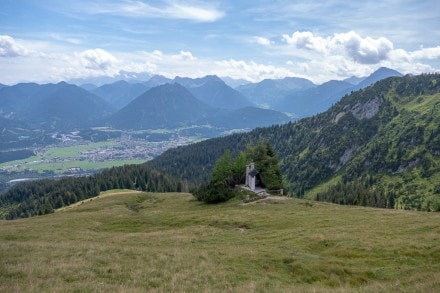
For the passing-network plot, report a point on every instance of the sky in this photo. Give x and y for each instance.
(50, 40)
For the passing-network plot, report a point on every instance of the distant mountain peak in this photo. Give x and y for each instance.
(169, 87)
(165, 106)
(233, 82)
(213, 77)
(354, 80)
(63, 83)
(213, 91)
(379, 74)
(157, 80)
(120, 82)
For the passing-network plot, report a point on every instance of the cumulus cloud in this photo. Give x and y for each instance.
(97, 59)
(10, 47)
(306, 40)
(362, 50)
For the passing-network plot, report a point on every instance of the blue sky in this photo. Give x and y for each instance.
(49, 40)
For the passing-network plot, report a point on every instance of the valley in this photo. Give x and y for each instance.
(73, 154)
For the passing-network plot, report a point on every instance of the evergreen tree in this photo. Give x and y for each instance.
(266, 162)
(223, 172)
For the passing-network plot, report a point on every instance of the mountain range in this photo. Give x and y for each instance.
(303, 98)
(172, 106)
(51, 106)
(270, 91)
(65, 106)
(291, 95)
(378, 146)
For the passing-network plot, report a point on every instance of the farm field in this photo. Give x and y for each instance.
(137, 242)
(82, 157)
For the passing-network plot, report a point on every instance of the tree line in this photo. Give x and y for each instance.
(44, 196)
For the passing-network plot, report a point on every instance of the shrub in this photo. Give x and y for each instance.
(211, 193)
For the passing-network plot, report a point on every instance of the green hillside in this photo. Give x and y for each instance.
(385, 137)
(138, 242)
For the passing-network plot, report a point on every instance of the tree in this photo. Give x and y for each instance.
(266, 162)
(222, 184)
(239, 168)
(223, 172)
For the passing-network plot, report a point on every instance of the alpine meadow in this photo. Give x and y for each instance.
(219, 146)
(133, 241)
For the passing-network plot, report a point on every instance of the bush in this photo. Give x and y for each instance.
(211, 193)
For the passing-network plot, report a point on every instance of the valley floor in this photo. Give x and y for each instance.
(137, 242)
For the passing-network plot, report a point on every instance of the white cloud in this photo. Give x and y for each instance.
(170, 9)
(263, 41)
(425, 53)
(186, 64)
(201, 14)
(302, 54)
(306, 40)
(249, 70)
(10, 47)
(97, 59)
(185, 55)
(337, 56)
(155, 55)
(362, 50)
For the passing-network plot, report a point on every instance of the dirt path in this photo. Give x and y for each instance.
(268, 199)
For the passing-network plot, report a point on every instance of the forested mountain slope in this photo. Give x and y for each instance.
(248, 117)
(385, 137)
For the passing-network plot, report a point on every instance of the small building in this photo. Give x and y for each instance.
(252, 176)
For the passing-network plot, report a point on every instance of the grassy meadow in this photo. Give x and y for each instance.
(126, 241)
